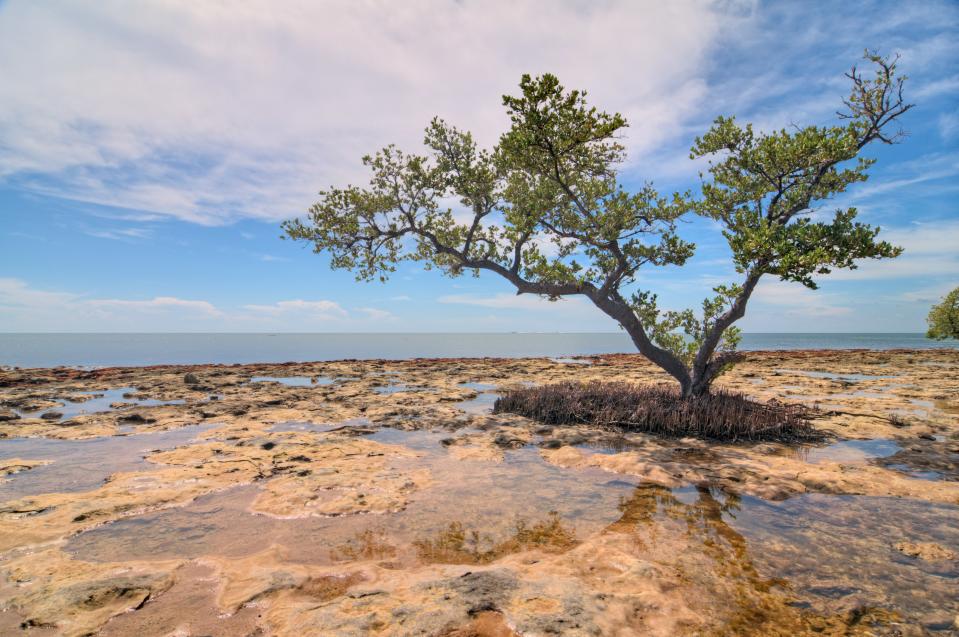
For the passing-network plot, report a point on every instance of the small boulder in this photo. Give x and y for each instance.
(135, 419)
(928, 551)
(506, 441)
(51, 415)
(7, 415)
(191, 379)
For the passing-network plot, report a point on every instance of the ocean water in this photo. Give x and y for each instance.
(97, 350)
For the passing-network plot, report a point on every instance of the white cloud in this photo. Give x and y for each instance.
(121, 234)
(930, 250)
(949, 125)
(326, 310)
(928, 295)
(15, 294)
(376, 314)
(927, 168)
(944, 86)
(157, 304)
(210, 112)
(23, 308)
(795, 300)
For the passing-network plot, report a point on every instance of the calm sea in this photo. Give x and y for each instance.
(49, 350)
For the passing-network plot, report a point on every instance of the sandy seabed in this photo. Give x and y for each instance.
(384, 498)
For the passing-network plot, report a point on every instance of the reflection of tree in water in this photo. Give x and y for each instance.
(746, 602)
(458, 545)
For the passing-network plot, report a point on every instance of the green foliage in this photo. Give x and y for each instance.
(763, 187)
(544, 206)
(683, 332)
(943, 318)
(545, 210)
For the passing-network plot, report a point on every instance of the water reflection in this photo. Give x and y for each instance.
(798, 567)
(81, 465)
(99, 402)
(836, 376)
(479, 495)
(483, 403)
(813, 562)
(846, 451)
(458, 544)
(294, 381)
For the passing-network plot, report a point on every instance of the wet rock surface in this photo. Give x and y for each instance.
(384, 498)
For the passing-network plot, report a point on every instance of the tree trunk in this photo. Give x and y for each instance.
(618, 309)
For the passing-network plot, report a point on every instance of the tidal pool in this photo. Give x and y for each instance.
(294, 381)
(97, 402)
(80, 465)
(837, 376)
(483, 403)
(479, 496)
(572, 361)
(828, 553)
(848, 451)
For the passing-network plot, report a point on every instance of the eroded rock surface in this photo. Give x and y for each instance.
(383, 498)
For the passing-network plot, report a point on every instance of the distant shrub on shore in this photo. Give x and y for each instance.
(944, 318)
(659, 410)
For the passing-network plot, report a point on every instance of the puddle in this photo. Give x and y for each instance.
(834, 376)
(572, 361)
(829, 553)
(474, 495)
(320, 427)
(483, 403)
(838, 552)
(394, 387)
(832, 554)
(295, 425)
(81, 465)
(912, 472)
(294, 381)
(848, 451)
(98, 402)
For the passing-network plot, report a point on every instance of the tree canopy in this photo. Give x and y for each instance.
(545, 209)
(943, 318)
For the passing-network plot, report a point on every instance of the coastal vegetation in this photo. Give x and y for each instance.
(546, 210)
(943, 318)
(655, 409)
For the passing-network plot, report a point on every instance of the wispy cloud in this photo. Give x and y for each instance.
(322, 309)
(120, 234)
(376, 314)
(794, 300)
(929, 250)
(949, 125)
(158, 304)
(294, 108)
(26, 308)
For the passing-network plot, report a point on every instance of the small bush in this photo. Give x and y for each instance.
(659, 410)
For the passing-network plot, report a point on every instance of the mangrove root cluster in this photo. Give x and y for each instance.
(660, 410)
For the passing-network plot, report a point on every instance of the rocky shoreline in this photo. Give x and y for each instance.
(382, 497)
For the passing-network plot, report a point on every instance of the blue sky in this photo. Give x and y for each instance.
(148, 152)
